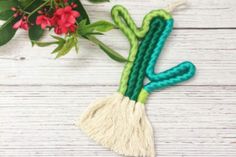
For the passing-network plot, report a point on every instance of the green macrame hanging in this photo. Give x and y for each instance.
(119, 121)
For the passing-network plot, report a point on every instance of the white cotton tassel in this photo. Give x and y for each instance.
(120, 124)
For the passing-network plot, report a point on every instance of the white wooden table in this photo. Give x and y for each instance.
(40, 97)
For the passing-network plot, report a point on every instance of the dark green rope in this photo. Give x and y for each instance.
(152, 44)
(137, 75)
(141, 52)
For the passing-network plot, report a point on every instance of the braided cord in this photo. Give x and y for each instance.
(121, 15)
(183, 68)
(141, 75)
(143, 58)
(123, 20)
(141, 32)
(177, 74)
(180, 73)
(150, 71)
(142, 51)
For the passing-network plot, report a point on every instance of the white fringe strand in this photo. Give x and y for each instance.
(120, 124)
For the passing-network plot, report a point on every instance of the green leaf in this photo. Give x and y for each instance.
(5, 15)
(99, 1)
(59, 47)
(70, 43)
(61, 43)
(99, 26)
(24, 3)
(31, 6)
(95, 33)
(110, 52)
(7, 32)
(44, 44)
(77, 48)
(102, 26)
(7, 4)
(81, 10)
(35, 32)
(61, 40)
(83, 23)
(113, 54)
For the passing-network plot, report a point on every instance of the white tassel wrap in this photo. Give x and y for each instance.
(120, 124)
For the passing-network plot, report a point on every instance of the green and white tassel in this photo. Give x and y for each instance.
(119, 122)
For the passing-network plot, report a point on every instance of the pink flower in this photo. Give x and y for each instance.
(22, 23)
(43, 20)
(64, 30)
(60, 30)
(64, 20)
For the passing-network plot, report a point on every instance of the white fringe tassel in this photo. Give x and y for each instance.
(120, 124)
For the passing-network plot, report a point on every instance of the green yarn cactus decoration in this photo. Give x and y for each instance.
(119, 122)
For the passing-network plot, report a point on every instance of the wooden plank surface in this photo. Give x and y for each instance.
(213, 52)
(200, 13)
(39, 121)
(40, 97)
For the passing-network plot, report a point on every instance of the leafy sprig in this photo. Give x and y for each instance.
(12, 11)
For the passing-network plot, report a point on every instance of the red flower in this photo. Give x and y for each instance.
(64, 20)
(22, 23)
(64, 30)
(43, 20)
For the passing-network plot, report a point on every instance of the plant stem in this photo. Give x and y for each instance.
(110, 52)
(46, 2)
(29, 4)
(93, 39)
(7, 22)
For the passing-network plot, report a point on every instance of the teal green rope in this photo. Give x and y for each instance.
(148, 53)
(150, 71)
(177, 74)
(180, 73)
(142, 51)
(182, 68)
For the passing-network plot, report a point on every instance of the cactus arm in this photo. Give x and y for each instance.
(120, 11)
(120, 17)
(180, 73)
(184, 67)
(177, 74)
(141, 32)
(173, 76)
(150, 71)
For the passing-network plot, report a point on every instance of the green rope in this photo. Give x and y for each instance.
(148, 53)
(153, 34)
(123, 20)
(139, 59)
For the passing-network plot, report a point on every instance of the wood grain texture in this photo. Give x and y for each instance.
(40, 97)
(213, 52)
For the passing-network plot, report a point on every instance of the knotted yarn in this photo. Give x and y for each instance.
(119, 122)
